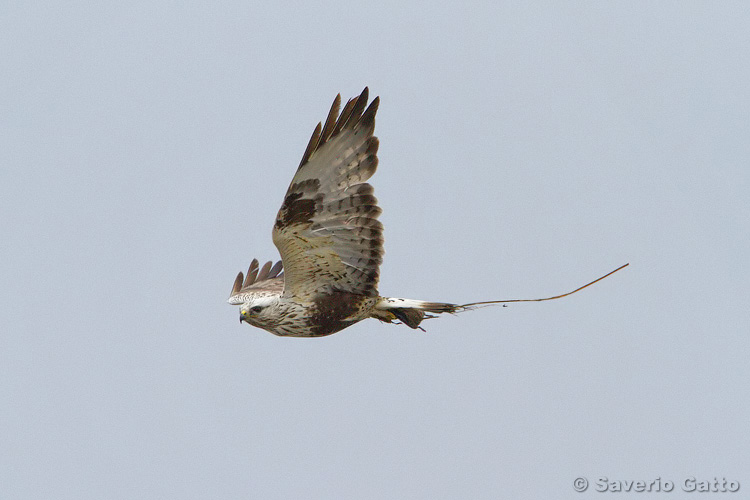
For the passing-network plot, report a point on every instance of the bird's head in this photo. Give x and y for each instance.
(259, 311)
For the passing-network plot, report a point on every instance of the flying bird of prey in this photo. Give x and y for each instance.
(331, 242)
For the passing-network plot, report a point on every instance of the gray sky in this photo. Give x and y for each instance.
(525, 150)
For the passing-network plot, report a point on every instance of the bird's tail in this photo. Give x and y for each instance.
(411, 312)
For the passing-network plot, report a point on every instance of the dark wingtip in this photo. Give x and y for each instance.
(368, 118)
(252, 272)
(237, 284)
(312, 145)
(351, 116)
(330, 121)
(277, 268)
(359, 107)
(263, 273)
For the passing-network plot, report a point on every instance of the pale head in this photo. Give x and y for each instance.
(261, 310)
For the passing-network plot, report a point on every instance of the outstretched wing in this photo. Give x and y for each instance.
(268, 279)
(327, 229)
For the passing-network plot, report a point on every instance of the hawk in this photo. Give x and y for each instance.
(330, 240)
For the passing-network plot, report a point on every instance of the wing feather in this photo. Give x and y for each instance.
(252, 272)
(344, 116)
(263, 273)
(312, 145)
(327, 229)
(330, 121)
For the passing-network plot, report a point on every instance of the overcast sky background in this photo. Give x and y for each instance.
(525, 150)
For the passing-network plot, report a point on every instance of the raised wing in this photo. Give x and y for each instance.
(327, 229)
(268, 279)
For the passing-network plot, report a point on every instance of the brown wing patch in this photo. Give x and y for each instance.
(300, 203)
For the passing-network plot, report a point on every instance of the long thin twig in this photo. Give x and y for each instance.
(547, 298)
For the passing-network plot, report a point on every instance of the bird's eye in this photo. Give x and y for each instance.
(256, 309)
